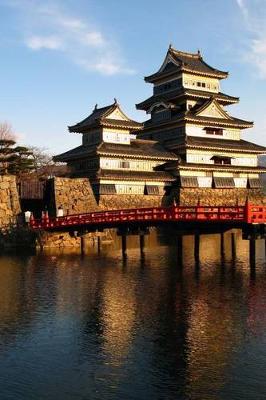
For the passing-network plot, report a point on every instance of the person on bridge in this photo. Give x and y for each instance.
(60, 212)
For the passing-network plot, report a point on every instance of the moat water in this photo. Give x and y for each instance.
(153, 328)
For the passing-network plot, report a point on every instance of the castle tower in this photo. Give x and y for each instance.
(188, 116)
(121, 168)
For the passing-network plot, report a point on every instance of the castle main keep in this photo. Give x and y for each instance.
(190, 151)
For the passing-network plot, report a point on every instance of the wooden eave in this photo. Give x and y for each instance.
(222, 168)
(124, 175)
(99, 118)
(217, 148)
(174, 95)
(210, 121)
(157, 76)
(78, 156)
(135, 156)
(126, 125)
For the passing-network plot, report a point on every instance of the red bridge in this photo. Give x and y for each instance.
(235, 215)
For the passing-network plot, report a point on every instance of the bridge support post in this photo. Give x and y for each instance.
(82, 245)
(124, 245)
(180, 250)
(252, 253)
(233, 245)
(99, 244)
(222, 245)
(142, 244)
(197, 247)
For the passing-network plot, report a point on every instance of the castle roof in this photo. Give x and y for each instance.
(191, 117)
(178, 94)
(183, 165)
(125, 175)
(138, 148)
(204, 143)
(110, 116)
(193, 63)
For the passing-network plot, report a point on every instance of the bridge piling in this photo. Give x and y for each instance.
(82, 245)
(222, 245)
(124, 245)
(197, 247)
(252, 252)
(180, 250)
(142, 244)
(233, 245)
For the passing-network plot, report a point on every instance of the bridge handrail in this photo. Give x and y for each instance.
(248, 213)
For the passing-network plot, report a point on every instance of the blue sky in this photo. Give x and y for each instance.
(60, 57)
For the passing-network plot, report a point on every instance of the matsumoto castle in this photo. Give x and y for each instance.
(190, 151)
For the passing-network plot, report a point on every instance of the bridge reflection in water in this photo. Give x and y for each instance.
(149, 327)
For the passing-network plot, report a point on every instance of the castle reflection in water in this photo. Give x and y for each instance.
(142, 327)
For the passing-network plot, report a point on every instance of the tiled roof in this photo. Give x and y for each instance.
(175, 166)
(187, 62)
(185, 93)
(75, 153)
(189, 116)
(214, 143)
(232, 121)
(147, 149)
(99, 118)
(135, 175)
(137, 148)
(222, 167)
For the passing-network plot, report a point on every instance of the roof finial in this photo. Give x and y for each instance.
(170, 46)
(199, 53)
(115, 100)
(96, 106)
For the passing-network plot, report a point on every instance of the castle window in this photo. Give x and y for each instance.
(151, 189)
(188, 181)
(224, 182)
(124, 164)
(254, 183)
(107, 188)
(214, 131)
(221, 160)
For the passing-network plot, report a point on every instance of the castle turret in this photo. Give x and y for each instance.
(188, 116)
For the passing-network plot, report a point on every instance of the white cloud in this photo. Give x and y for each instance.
(48, 42)
(242, 5)
(254, 12)
(48, 26)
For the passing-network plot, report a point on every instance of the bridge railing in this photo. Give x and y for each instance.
(255, 214)
(248, 213)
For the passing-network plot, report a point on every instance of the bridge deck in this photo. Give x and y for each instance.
(248, 214)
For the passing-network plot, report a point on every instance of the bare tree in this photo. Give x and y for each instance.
(6, 132)
(41, 158)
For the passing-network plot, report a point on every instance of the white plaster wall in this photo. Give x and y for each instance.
(190, 81)
(237, 160)
(116, 137)
(228, 133)
(136, 165)
(205, 181)
(240, 182)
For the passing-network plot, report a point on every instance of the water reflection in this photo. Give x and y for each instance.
(98, 327)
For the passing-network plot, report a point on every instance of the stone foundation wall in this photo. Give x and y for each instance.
(218, 197)
(9, 200)
(73, 195)
(60, 240)
(57, 240)
(120, 201)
